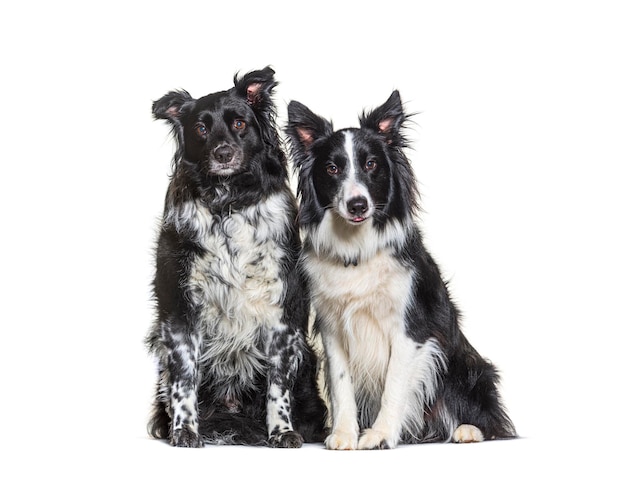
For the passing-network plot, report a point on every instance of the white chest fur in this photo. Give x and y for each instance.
(361, 308)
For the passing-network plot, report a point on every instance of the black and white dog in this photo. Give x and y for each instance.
(231, 332)
(399, 368)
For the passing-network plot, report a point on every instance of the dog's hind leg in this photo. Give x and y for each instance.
(472, 399)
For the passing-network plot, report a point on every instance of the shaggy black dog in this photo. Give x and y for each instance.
(231, 332)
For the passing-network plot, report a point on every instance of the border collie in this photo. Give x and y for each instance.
(230, 336)
(399, 368)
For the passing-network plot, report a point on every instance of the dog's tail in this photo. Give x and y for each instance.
(227, 428)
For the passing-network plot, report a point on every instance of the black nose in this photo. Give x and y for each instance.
(357, 206)
(223, 154)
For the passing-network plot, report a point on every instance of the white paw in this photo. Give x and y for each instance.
(341, 440)
(375, 439)
(467, 433)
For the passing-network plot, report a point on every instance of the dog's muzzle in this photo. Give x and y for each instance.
(225, 160)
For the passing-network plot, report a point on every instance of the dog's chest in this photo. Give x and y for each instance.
(362, 307)
(378, 287)
(234, 281)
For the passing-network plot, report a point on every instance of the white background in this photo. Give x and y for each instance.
(519, 150)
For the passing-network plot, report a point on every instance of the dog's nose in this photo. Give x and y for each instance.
(223, 154)
(357, 206)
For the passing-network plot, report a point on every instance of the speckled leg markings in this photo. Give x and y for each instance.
(185, 417)
(283, 366)
(279, 419)
(465, 433)
(183, 400)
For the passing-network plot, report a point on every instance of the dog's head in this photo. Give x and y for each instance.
(224, 133)
(359, 174)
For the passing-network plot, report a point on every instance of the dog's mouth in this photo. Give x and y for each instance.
(220, 169)
(357, 220)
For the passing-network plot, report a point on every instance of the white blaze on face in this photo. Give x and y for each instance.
(351, 187)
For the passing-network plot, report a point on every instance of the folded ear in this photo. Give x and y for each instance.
(169, 106)
(304, 127)
(387, 119)
(256, 87)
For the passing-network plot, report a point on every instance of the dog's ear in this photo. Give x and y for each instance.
(387, 119)
(256, 87)
(304, 127)
(169, 106)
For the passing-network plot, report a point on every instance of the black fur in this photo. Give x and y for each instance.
(234, 367)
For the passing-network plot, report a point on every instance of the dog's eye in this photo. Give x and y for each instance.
(239, 124)
(332, 169)
(201, 130)
(370, 165)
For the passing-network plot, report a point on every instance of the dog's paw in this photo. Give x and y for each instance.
(184, 437)
(467, 433)
(289, 439)
(375, 439)
(341, 440)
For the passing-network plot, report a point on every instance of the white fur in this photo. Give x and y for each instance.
(335, 239)
(351, 187)
(411, 379)
(465, 433)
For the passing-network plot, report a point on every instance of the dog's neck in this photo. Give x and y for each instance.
(334, 239)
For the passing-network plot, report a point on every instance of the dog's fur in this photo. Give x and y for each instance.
(230, 335)
(399, 369)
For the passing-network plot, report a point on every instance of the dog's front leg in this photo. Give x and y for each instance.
(410, 382)
(397, 393)
(283, 366)
(183, 375)
(345, 428)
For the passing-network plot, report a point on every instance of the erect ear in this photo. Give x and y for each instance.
(256, 87)
(304, 127)
(387, 119)
(169, 106)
